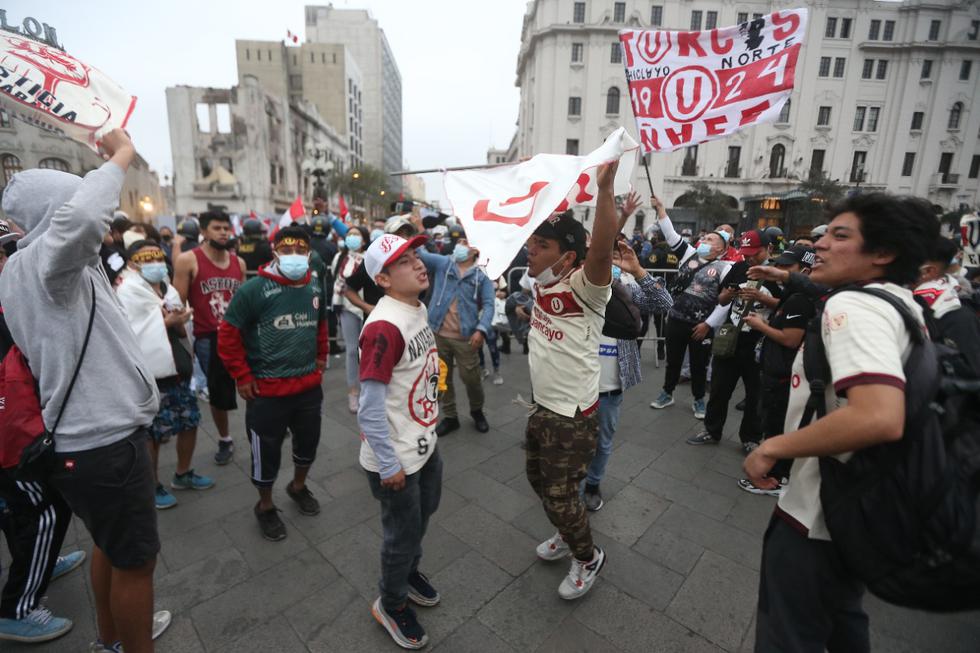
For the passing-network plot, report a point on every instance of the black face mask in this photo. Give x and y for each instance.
(167, 239)
(220, 246)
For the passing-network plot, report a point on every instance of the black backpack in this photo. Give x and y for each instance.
(905, 516)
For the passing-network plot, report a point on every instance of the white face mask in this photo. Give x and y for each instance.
(547, 276)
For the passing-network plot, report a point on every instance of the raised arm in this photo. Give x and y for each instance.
(598, 260)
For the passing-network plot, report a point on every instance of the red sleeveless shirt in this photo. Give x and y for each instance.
(211, 291)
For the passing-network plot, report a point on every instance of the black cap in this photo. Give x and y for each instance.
(798, 254)
(568, 231)
(455, 233)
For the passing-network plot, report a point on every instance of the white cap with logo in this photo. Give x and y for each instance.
(386, 249)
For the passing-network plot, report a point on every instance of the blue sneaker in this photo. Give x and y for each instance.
(698, 407)
(191, 481)
(164, 499)
(421, 592)
(402, 625)
(67, 563)
(38, 626)
(665, 399)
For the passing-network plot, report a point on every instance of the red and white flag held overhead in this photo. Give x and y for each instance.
(292, 37)
(342, 207)
(293, 213)
(500, 207)
(691, 87)
(45, 86)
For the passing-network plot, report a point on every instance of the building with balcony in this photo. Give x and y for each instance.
(24, 146)
(886, 98)
(245, 149)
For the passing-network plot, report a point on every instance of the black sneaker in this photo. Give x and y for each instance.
(402, 625)
(447, 426)
(308, 505)
(593, 498)
(272, 527)
(480, 420)
(225, 450)
(702, 438)
(421, 592)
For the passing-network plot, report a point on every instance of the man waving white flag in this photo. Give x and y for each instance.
(500, 207)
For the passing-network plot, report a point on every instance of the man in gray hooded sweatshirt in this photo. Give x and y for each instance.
(103, 467)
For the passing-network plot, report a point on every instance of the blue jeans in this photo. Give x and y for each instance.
(608, 419)
(404, 518)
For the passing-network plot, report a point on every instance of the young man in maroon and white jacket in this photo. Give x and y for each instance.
(399, 408)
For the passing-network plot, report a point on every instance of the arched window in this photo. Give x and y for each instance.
(53, 163)
(954, 116)
(11, 166)
(784, 112)
(612, 101)
(776, 158)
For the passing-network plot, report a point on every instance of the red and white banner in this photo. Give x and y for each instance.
(691, 87)
(47, 87)
(500, 207)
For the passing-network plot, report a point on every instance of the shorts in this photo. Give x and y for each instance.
(266, 422)
(222, 390)
(178, 410)
(111, 489)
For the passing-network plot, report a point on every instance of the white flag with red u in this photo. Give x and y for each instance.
(501, 207)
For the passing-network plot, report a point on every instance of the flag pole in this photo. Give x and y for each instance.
(484, 166)
(646, 167)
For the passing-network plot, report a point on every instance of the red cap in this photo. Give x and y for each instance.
(751, 242)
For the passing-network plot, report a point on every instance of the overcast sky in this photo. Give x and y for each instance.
(457, 61)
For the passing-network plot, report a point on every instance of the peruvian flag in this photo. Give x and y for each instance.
(291, 215)
(342, 207)
(292, 37)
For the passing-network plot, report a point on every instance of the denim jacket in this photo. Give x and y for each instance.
(473, 293)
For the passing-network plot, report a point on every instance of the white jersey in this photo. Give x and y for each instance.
(409, 364)
(566, 323)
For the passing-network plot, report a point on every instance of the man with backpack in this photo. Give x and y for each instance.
(808, 599)
(634, 291)
(101, 462)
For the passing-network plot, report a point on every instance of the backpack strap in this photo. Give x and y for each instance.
(78, 365)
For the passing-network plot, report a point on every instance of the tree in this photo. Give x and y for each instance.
(821, 192)
(365, 186)
(713, 206)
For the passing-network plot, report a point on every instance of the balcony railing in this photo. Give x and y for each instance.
(689, 169)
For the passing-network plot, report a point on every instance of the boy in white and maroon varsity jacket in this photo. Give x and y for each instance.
(399, 408)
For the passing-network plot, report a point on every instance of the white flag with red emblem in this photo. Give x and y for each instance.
(692, 87)
(45, 86)
(501, 207)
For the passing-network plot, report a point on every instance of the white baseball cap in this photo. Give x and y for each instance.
(396, 222)
(386, 249)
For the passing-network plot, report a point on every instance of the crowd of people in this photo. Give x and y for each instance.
(127, 329)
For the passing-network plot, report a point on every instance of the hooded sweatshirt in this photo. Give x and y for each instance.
(46, 292)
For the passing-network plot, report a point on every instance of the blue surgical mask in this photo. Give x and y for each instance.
(704, 250)
(294, 266)
(353, 242)
(154, 272)
(376, 233)
(461, 252)
(616, 272)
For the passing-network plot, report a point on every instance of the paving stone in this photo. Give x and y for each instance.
(346, 482)
(751, 513)
(628, 460)
(535, 523)
(717, 600)
(628, 515)
(181, 590)
(529, 610)
(636, 627)
(473, 636)
(685, 493)
(243, 528)
(669, 549)
(273, 635)
(221, 619)
(490, 494)
(337, 515)
(315, 614)
(465, 586)
(187, 548)
(356, 555)
(506, 465)
(457, 457)
(574, 637)
(723, 539)
(939, 632)
(354, 631)
(180, 637)
(638, 576)
(496, 540)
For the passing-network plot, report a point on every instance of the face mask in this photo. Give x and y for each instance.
(353, 242)
(704, 250)
(616, 272)
(376, 233)
(167, 239)
(153, 272)
(461, 252)
(294, 266)
(222, 246)
(547, 276)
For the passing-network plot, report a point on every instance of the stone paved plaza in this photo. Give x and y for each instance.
(683, 542)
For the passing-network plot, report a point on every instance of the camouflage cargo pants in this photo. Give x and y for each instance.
(559, 450)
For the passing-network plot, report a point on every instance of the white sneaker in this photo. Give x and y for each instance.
(497, 379)
(553, 548)
(581, 576)
(161, 621)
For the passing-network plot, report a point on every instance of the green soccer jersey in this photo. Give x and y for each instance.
(278, 324)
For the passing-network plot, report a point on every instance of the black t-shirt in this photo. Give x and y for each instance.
(662, 257)
(361, 281)
(793, 312)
